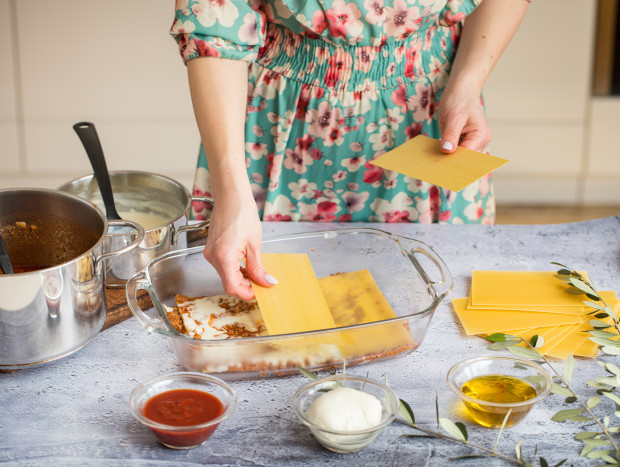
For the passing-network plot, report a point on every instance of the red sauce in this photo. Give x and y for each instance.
(183, 407)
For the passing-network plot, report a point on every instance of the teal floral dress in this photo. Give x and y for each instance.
(333, 84)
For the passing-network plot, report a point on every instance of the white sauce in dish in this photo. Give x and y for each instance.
(345, 409)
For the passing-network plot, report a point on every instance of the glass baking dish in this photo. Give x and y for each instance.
(411, 276)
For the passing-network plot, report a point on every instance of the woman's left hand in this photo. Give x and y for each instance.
(462, 122)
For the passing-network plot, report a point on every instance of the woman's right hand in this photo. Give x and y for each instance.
(235, 234)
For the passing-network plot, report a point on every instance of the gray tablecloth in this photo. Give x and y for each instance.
(74, 411)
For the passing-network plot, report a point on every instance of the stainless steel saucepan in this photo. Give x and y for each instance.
(160, 204)
(54, 303)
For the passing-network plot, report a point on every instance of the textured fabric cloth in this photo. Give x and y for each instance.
(333, 85)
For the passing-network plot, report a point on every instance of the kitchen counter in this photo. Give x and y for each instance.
(74, 411)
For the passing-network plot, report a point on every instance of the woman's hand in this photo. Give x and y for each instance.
(462, 122)
(235, 235)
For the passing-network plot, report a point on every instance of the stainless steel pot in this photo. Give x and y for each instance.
(57, 305)
(136, 195)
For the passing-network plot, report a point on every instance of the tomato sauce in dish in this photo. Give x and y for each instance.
(183, 408)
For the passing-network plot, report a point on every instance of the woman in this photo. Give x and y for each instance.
(294, 98)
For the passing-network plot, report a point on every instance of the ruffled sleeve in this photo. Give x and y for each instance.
(455, 11)
(226, 28)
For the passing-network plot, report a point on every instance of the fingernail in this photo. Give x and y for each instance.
(272, 280)
(447, 146)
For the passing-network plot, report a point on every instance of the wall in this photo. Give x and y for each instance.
(113, 63)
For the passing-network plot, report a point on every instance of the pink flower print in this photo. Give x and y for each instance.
(257, 178)
(248, 32)
(302, 102)
(205, 49)
(303, 189)
(363, 61)
(319, 22)
(200, 208)
(210, 12)
(316, 154)
(389, 184)
(396, 216)
(304, 142)
(335, 136)
(352, 186)
(401, 19)
(445, 216)
(372, 173)
(356, 146)
(390, 69)
(376, 12)
(381, 140)
(451, 19)
(274, 165)
(296, 160)
(413, 130)
(485, 185)
(340, 175)
(180, 27)
(325, 211)
(277, 217)
(328, 184)
(186, 47)
(323, 120)
(345, 218)
(343, 20)
(256, 150)
(410, 62)
(339, 69)
(353, 164)
(422, 103)
(399, 97)
(355, 202)
(291, 44)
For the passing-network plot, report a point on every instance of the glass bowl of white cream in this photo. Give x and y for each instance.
(345, 413)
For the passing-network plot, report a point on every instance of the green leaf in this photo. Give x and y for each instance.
(463, 429)
(543, 462)
(608, 380)
(586, 450)
(612, 368)
(581, 285)
(599, 315)
(598, 454)
(586, 435)
(603, 334)
(598, 306)
(560, 463)
(307, 373)
(502, 345)
(593, 402)
(467, 456)
(561, 390)
(603, 341)
(597, 442)
(405, 412)
(573, 290)
(570, 400)
(569, 368)
(598, 324)
(611, 350)
(523, 352)
(534, 340)
(566, 414)
(518, 451)
(501, 337)
(450, 427)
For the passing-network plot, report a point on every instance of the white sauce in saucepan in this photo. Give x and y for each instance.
(148, 220)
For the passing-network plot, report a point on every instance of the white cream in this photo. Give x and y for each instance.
(345, 409)
(148, 220)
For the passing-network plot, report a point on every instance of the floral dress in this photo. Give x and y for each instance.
(333, 84)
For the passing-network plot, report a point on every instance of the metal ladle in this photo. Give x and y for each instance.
(5, 261)
(88, 135)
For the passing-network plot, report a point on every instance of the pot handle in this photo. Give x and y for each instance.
(135, 242)
(190, 228)
(134, 284)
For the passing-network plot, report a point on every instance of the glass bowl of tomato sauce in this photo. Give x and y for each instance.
(183, 409)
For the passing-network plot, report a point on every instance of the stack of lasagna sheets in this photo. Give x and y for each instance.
(529, 303)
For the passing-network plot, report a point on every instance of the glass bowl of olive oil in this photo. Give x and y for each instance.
(495, 389)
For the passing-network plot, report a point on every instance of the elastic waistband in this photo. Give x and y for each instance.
(357, 67)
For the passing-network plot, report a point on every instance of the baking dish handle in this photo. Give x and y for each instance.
(190, 228)
(442, 287)
(134, 284)
(134, 242)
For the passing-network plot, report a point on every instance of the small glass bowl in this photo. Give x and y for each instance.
(182, 437)
(345, 441)
(492, 414)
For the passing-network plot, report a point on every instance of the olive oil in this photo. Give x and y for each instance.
(496, 389)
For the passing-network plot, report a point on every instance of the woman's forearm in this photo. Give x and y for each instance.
(486, 34)
(218, 89)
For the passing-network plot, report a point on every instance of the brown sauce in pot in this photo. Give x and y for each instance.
(22, 269)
